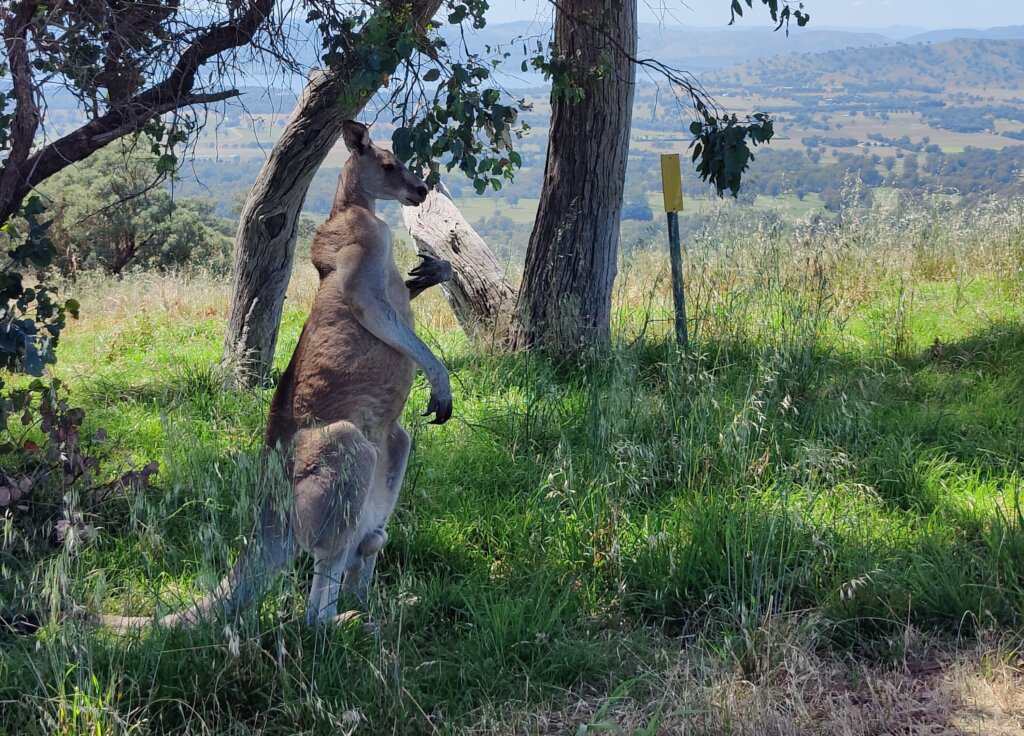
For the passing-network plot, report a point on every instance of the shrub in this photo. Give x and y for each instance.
(111, 213)
(637, 211)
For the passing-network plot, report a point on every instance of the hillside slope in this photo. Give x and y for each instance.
(958, 64)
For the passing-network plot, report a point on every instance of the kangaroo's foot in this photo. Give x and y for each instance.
(369, 626)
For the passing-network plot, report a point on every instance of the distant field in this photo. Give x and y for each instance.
(522, 212)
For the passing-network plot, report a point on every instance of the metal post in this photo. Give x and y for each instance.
(678, 295)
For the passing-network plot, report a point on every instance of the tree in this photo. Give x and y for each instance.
(565, 297)
(479, 294)
(111, 213)
(128, 64)
(265, 243)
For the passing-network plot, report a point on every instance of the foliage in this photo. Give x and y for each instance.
(126, 65)
(31, 317)
(51, 483)
(779, 15)
(113, 212)
(720, 148)
(460, 123)
(637, 211)
(466, 121)
(42, 447)
(449, 130)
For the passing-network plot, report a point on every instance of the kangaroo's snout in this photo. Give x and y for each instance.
(418, 196)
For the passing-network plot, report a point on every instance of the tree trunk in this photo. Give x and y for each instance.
(479, 294)
(268, 225)
(267, 228)
(565, 298)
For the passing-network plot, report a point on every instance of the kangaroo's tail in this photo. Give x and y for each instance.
(271, 548)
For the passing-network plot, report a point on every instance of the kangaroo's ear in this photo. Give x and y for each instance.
(356, 135)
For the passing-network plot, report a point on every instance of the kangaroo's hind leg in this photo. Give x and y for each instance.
(333, 478)
(387, 481)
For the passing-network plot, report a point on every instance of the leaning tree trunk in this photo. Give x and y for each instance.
(267, 228)
(479, 294)
(565, 298)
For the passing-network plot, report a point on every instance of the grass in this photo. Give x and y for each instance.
(810, 523)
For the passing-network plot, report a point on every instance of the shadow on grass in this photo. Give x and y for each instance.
(892, 484)
(569, 506)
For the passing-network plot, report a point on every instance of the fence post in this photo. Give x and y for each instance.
(671, 186)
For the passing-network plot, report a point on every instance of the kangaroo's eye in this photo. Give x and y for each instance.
(389, 167)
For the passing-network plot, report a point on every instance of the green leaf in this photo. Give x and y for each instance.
(737, 10)
(401, 143)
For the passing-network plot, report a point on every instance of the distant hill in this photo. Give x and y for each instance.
(963, 64)
(704, 50)
(692, 49)
(893, 33)
(710, 49)
(992, 34)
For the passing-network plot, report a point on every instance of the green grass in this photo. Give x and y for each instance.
(811, 466)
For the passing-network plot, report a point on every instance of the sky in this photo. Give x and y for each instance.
(929, 14)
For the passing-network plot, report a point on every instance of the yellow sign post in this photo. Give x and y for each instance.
(672, 186)
(671, 183)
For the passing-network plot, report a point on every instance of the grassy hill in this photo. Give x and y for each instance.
(810, 523)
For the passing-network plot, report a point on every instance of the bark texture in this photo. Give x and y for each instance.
(565, 298)
(479, 293)
(265, 242)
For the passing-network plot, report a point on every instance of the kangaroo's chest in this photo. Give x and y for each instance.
(345, 372)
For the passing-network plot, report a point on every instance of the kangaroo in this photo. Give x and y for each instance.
(334, 416)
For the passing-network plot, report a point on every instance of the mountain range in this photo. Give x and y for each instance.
(709, 49)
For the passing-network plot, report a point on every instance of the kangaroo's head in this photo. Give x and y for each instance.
(378, 172)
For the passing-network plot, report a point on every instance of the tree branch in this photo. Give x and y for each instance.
(102, 139)
(172, 93)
